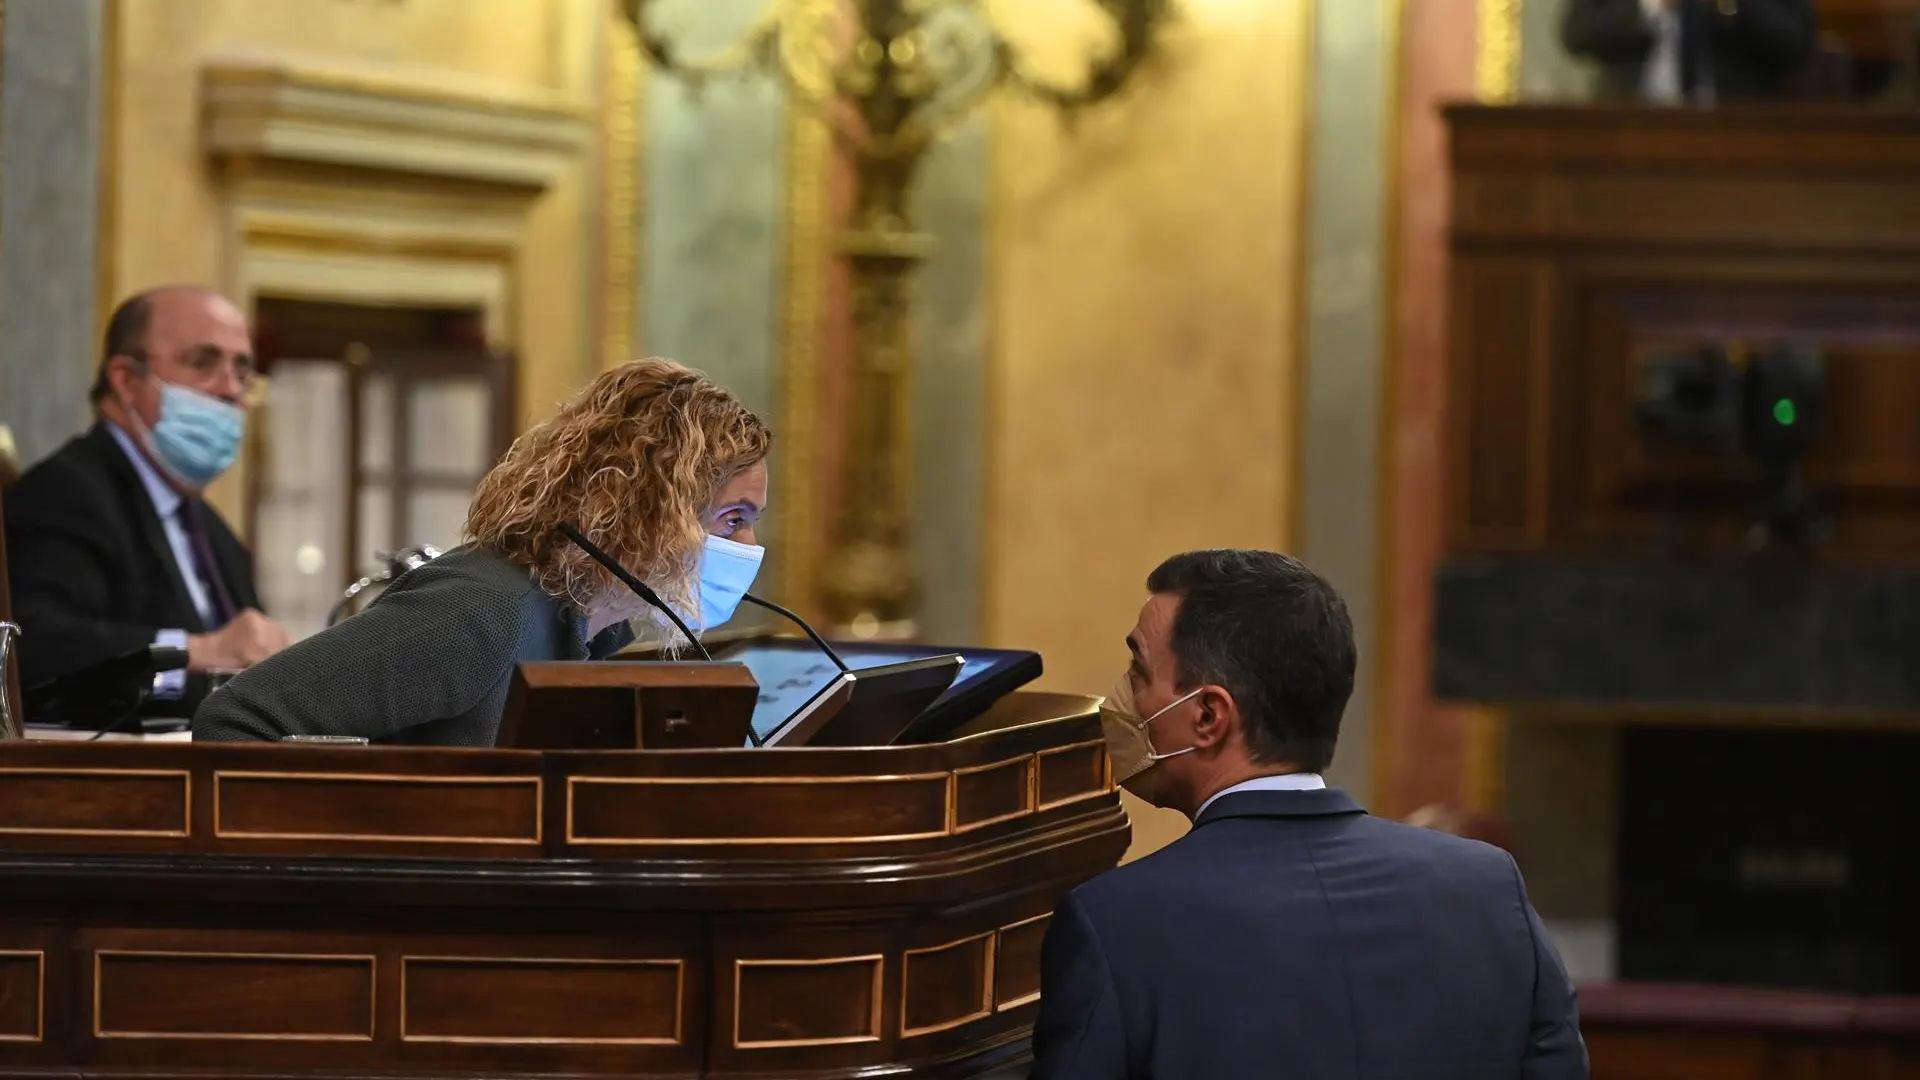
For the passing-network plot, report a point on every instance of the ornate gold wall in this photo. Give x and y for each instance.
(168, 210)
(1144, 282)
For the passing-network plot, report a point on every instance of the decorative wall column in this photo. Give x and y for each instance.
(1424, 745)
(1340, 512)
(713, 230)
(50, 117)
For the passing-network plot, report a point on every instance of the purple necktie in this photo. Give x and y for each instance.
(205, 566)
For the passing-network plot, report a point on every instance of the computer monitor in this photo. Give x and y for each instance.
(886, 700)
(793, 673)
(798, 729)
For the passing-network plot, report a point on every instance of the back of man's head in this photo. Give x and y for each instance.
(1272, 633)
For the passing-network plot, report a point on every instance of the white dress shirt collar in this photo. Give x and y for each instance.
(166, 501)
(1305, 781)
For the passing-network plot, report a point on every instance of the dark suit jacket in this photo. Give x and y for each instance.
(93, 575)
(427, 663)
(1755, 52)
(1290, 935)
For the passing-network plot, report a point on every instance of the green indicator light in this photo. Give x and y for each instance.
(1783, 412)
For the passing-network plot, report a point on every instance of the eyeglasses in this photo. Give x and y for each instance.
(208, 362)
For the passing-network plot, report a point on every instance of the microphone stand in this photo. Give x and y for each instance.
(157, 659)
(641, 590)
(802, 624)
(639, 587)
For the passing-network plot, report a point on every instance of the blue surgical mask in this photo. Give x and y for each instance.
(727, 570)
(197, 436)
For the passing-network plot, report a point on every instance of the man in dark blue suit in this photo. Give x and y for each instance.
(1289, 935)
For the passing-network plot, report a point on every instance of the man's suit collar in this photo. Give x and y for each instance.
(166, 501)
(1327, 802)
(138, 499)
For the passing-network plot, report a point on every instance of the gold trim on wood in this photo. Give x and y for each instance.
(879, 963)
(620, 214)
(534, 782)
(574, 838)
(1014, 1003)
(1029, 921)
(1029, 792)
(986, 1009)
(186, 803)
(373, 992)
(1023, 999)
(1106, 774)
(679, 1001)
(40, 996)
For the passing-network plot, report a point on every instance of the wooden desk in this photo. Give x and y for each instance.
(1641, 1031)
(243, 911)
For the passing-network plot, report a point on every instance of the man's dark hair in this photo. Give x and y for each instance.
(1275, 635)
(126, 336)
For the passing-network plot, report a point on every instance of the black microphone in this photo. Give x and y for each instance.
(639, 587)
(115, 688)
(802, 624)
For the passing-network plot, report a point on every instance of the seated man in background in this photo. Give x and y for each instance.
(110, 545)
(1701, 51)
(1288, 934)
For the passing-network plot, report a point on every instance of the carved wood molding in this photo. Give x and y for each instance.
(309, 116)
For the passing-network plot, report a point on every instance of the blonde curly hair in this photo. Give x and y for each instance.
(635, 461)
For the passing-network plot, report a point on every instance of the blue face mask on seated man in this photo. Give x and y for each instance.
(727, 570)
(197, 436)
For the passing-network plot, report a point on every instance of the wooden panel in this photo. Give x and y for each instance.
(232, 996)
(1665, 1057)
(377, 808)
(986, 794)
(947, 985)
(1586, 240)
(755, 810)
(1503, 391)
(1071, 773)
(1016, 969)
(1865, 463)
(564, 1001)
(1672, 211)
(1723, 146)
(799, 1003)
(1695, 1055)
(251, 957)
(23, 989)
(95, 802)
(1870, 28)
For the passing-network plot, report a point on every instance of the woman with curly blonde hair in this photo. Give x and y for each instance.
(653, 462)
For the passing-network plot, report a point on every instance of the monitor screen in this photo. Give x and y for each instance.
(791, 672)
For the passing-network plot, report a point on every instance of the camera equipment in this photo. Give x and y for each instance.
(1765, 405)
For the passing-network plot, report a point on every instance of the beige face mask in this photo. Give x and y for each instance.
(1128, 744)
